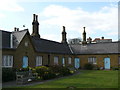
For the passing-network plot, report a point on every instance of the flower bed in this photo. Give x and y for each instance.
(45, 73)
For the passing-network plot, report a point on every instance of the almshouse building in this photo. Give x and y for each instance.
(20, 50)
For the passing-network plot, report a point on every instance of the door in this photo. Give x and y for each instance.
(107, 63)
(25, 62)
(77, 63)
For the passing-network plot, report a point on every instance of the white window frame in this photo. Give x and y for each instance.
(69, 60)
(92, 60)
(39, 60)
(7, 61)
(119, 60)
(63, 61)
(56, 60)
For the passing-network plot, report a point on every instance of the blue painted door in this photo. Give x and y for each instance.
(25, 62)
(107, 63)
(77, 63)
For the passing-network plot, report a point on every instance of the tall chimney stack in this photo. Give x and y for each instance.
(64, 39)
(35, 26)
(84, 37)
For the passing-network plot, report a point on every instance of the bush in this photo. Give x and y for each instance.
(8, 74)
(60, 70)
(89, 66)
(65, 71)
(45, 72)
(115, 68)
(41, 70)
(56, 68)
(48, 75)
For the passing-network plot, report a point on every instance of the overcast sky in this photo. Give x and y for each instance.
(99, 18)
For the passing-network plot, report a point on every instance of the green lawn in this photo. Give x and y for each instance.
(86, 79)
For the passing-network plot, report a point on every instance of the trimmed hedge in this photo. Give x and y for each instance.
(8, 74)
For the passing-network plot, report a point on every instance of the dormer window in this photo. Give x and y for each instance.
(26, 43)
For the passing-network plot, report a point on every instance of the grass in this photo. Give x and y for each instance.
(86, 79)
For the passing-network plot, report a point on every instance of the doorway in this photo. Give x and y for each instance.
(25, 62)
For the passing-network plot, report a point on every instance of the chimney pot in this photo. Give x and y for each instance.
(33, 17)
(84, 28)
(102, 37)
(63, 28)
(14, 28)
(17, 29)
(36, 17)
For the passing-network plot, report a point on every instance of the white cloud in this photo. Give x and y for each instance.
(51, 37)
(104, 20)
(2, 15)
(10, 5)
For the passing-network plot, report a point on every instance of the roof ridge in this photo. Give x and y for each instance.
(19, 31)
(5, 31)
(49, 40)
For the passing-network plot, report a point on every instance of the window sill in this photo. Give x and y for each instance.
(7, 66)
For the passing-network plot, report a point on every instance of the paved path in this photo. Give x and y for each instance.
(13, 83)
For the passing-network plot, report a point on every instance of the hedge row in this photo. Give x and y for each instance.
(8, 74)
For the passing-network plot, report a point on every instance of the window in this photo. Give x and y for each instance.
(7, 61)
(69, 60)
(55, 60)
(63, 61)
(38, 60)
(26, 43)
(119, 60)
(92, 60)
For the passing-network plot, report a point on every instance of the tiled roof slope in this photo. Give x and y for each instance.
(5, 39)
(48, 46)
(96, 48)
(18, 36)
(43, 45)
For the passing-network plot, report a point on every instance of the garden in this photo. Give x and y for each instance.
(39, 73)
(87, 78)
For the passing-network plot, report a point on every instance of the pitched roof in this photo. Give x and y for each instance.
(96, 48)
(48, 46)
(18, 36)
(5, 39)
(43, 45)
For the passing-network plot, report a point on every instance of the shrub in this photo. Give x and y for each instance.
(56, 68)
(45, 72)
(60, 70)
(65, 71)
(115, 68)
(48, 75)
(8, 74)
(72, 72)
(41, 69)
(89, 66)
